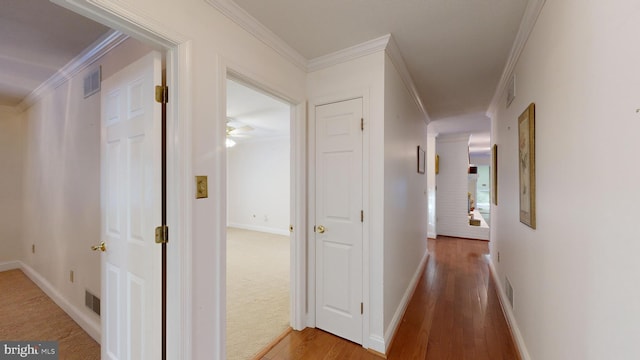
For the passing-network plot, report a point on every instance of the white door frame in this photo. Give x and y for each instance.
(311, 276)
(298, 126)
(179, 169)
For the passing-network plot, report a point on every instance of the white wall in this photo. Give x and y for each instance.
(258, 186)
(405, 194)
(61, 184)
(11, 158)
(453, 186)
(575, 278)
(364, 76)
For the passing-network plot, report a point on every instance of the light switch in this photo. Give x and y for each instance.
(201, 187)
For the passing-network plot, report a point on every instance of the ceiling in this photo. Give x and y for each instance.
(266, 117)
(455, 50)
(38, 38)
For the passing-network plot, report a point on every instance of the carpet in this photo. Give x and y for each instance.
(257, 291)
(27, 313)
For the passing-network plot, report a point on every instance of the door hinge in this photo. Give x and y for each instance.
(291, 228)
(162, 94)
(361, 215)
(314, 228)
(362, 124)
(361, 308)
(162, 234)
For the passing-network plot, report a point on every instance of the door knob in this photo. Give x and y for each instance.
(320, 229)
(101, 247)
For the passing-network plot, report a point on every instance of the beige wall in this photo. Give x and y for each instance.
(11, 159)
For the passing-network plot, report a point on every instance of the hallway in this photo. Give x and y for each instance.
(454, 314)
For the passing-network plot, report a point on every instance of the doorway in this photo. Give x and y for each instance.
(258, 143)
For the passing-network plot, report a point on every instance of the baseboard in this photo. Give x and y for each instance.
(91, 326)
(9, 265)
(264, 229)
(404, 303)
(432, 235)
(377, 344)
(508, 313)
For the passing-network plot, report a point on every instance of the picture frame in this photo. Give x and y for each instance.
(421, 160)
(494, 174)
(527, 166)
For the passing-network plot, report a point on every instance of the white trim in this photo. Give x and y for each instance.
(264, 229)
(432, 235)
(250, 24)
(88, 56)
(88, 324)
(508, 313)
(124, 17)
(9, 265)
(531, 13)
(396, 58)
(348, 54)
(404, 303)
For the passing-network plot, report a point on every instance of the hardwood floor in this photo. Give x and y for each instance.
(454, 314)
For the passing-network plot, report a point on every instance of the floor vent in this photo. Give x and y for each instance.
(92, 302)
(509, 290)
(92, 82)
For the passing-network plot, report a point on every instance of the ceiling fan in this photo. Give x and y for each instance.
(237, 129)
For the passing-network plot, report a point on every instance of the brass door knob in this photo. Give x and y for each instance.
(321, 229)
(101, 247)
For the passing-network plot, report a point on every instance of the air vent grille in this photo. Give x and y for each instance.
(92, 302)
(92, 82)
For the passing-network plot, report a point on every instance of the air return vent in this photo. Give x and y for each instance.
(92, 302)
(92, 82)
(509, 290)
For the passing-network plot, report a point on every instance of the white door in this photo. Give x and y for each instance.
(131, 209)
(338, 219)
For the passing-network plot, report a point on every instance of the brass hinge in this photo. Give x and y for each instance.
(162, 94)
(314, 228)
(290, 228)
(361, 215)
(162, 234)
(362, 124)
(361, 308)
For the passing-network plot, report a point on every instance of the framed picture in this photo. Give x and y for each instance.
(421, 160)
(494, 174)
(527, 165)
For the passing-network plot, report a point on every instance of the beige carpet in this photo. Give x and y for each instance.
(257, 291)
(27, 313)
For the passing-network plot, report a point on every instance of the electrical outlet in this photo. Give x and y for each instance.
(71, 276)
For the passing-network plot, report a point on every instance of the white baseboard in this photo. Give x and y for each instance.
(508, 313)
(432, 235)
(265, 229)
(404, 303)
(376, 343)
(9, 265)
(91, 326)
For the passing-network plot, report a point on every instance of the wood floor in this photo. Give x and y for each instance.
(27, 313)
(453, 314)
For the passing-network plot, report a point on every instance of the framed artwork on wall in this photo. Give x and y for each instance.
(527, 165)
(421, 160)
(494, 174)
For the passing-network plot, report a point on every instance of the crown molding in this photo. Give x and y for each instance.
(396, 58)
(531, 13)
(241, 17)
(348, 54)
(91, 54)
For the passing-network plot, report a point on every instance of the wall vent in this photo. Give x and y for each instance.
(92, 302)
(92, 82)
(509, 290)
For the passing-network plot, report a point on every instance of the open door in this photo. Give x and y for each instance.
(339, 219)
(131, 208)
